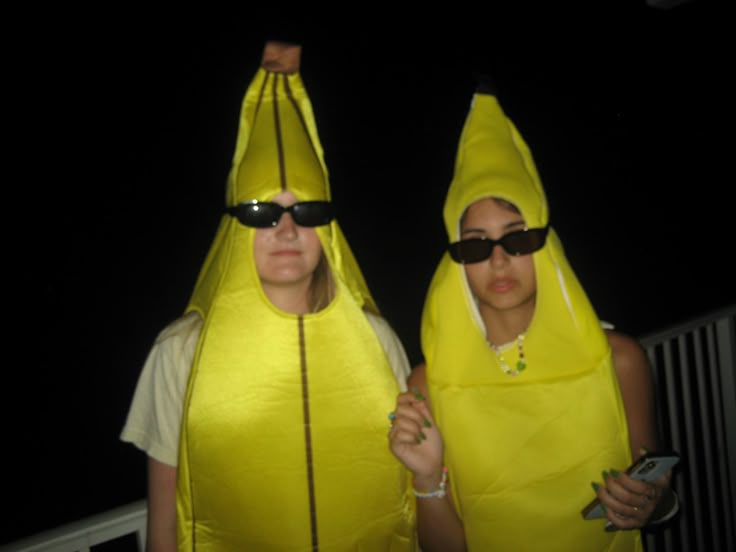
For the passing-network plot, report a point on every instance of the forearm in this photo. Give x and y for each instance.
(417, 442)
(161, 541)
(438, 526)
(161, 533)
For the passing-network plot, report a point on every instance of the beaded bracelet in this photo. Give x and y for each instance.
(439, 492)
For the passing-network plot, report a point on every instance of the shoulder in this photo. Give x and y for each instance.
(176, 343)
(636, 383)
(392, 346)
(184, 327)
(383, 329)
(628, 355)
(379, 323)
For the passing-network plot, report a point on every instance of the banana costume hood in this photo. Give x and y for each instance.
(521, 449)
(283, 441)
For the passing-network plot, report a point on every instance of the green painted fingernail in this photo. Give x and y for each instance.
(595, 486)
(615, 473)
(604, 474)
(422, 435)
(426, 423)
(417, 394)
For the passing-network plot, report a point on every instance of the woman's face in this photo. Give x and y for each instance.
(502, 282)
(286, 255)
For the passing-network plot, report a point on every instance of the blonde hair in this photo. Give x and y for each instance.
(322, 289)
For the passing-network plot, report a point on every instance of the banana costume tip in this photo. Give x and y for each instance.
(281, 57)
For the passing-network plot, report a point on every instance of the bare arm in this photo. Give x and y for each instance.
(637, 391)
(416, 441)
(630, 503)
(161, 507)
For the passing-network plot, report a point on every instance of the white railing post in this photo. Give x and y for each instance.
(80, 535)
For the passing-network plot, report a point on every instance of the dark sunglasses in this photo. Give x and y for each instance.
(520, 242)
(265, 214)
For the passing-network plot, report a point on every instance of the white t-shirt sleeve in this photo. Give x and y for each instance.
(154, 419)
(394, 348)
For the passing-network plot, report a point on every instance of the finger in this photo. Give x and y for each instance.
(422, 407)
(417, 412)
(406, 445)
(413, 396)
(623, 522)
(627, 482)
(411, 426)
(624, 509)
(408, 413)
(664, 481)
(417, 401)
(406, 398)
(633, 507)
(626, 517)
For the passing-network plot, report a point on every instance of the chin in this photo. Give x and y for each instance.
(505, 302)
(286, 278)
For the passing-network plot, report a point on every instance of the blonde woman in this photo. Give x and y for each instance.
(263, 409)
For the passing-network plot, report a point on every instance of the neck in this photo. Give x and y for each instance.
(292, 298)
(503, 326)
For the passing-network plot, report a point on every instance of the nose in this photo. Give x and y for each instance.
(286, 227)
(498, 257)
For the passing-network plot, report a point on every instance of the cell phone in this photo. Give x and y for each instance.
(649, 467)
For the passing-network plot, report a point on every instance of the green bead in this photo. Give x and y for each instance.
(520, 365)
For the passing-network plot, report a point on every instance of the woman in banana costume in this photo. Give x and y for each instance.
(524, 400)
(263, 408)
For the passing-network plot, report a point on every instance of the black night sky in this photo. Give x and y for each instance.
(128, 124)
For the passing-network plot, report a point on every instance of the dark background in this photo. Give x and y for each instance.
(126, 124)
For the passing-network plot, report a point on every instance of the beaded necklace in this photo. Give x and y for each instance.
(500, 349)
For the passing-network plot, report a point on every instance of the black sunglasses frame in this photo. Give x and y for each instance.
(481, 249)
(267, 214)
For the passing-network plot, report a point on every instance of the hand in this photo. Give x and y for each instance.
(415, 440)
(630, 502)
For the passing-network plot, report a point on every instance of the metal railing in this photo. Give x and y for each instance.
(694, 367)
(81, 536)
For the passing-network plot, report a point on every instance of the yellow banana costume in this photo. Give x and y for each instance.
(283, 442)
(521, 450)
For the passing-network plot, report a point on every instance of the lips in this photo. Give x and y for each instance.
(502, 285)
(286, 253)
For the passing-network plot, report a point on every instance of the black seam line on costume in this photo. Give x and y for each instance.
(279, 140)
(303, 122)
(192, 515)
(191, 496)
(308, 434)
(259, 103)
